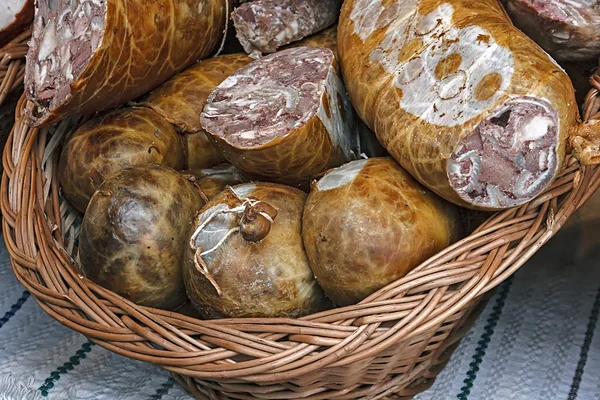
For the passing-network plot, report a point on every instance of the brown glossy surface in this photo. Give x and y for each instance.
(143, 45)
(268, 278)
(181, 99)
(104, 145)
(133, 234)
(368, 223)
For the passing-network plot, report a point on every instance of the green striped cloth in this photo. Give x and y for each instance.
(535, 341)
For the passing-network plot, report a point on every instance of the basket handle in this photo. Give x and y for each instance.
(584, 139)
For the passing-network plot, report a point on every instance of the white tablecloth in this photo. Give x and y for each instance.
(535, 340)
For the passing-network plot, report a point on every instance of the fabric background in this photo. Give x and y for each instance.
(534, 341)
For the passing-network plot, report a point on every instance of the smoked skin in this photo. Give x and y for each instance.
(132, 238)
(266, 278)
(420, 146)
(371, 227)
(143, 44)
(116, 140)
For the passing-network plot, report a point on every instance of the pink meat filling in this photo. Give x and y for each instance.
(509, 158)
(65, 35)
(268, 98)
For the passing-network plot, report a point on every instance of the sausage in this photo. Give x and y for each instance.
(358, 242)
(90, 55)
(284, 118)
(567, 29)
(263, 26)
(181, 99)
(15, 17)
(111, 142)
(368, 143)
(246, 257)
(133, 235)
(463, 100)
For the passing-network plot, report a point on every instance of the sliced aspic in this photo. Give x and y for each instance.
(567, 29)
(263, 26)
(90, 55)
(284, 118)
(463, 100)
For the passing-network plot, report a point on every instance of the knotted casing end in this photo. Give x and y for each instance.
(584, 142)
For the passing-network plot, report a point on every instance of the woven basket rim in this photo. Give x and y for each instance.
(12, 64)
(39, 230)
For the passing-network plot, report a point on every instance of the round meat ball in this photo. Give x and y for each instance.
(133, 235)
(246, 257)
(368, 223)
(106, 144)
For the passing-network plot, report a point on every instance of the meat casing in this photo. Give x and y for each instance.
(89, 55)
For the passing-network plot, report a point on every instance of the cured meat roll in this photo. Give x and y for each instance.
(463, 100)
(263, 26)
(284, 118)
(368, 223)
(88, 55)
(111, 142)
(567, 29)
(15, 16)
(181, 99)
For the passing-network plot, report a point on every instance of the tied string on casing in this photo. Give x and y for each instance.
(254, 225)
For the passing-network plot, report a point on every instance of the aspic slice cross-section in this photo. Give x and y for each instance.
(263, 26)
(284, 118)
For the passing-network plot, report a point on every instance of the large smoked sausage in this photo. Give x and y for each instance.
(284, 118)
(462, 99)
(567, 29)
(88, 55)
(263, 26)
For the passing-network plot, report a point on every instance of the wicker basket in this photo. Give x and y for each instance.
(390, 346)
(12, 71)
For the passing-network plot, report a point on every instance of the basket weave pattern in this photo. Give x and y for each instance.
(389, 346)
(12, 64)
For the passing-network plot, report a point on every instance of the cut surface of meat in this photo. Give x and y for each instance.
(509, 157)
(567, 29)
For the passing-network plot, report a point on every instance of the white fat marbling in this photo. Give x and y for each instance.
(341, 176)
(447, 101)
(341, 127)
